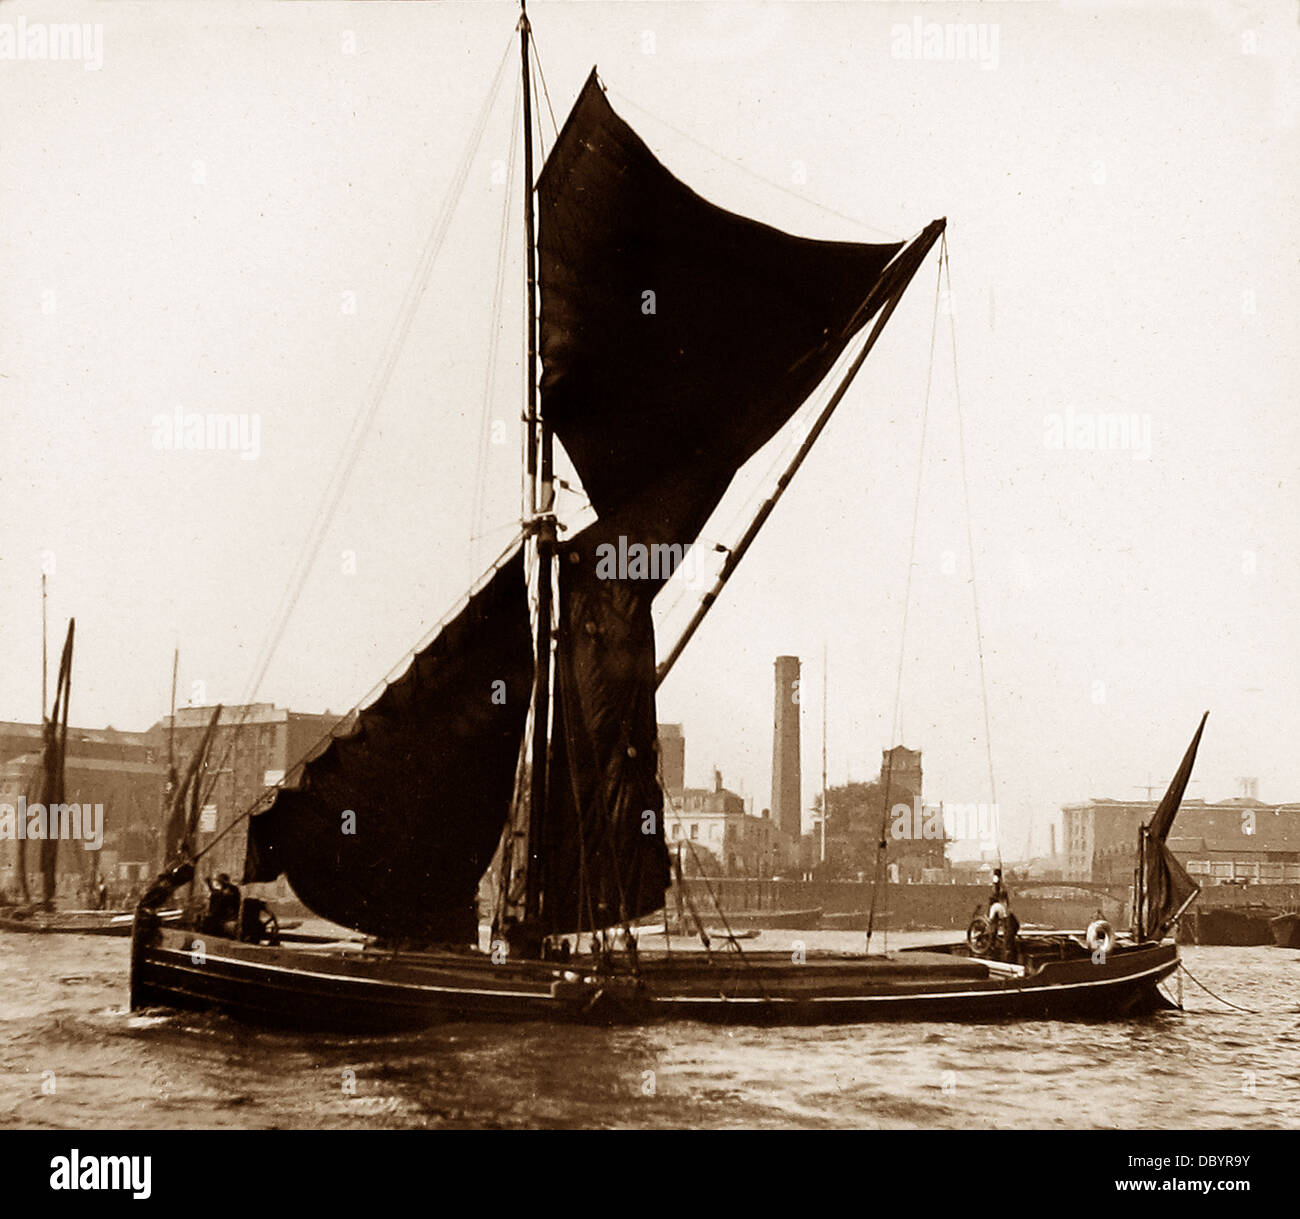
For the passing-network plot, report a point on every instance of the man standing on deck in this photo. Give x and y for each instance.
(1004, 923)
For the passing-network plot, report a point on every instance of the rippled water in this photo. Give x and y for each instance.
(73, 1056)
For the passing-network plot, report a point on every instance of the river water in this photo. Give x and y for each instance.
(72, 1056)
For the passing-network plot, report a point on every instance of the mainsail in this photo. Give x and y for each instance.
(1164, 889)
(390, 826)
(676, 340)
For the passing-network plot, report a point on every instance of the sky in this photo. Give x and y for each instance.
(221, 209)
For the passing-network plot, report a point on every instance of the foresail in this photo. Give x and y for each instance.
(389, 828)
(676, 337)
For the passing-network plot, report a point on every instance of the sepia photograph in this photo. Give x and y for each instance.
(585, 565)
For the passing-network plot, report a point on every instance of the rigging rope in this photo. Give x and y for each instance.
(907, 600)
(537, 58)
(970, 536)
(745, 169)
(494, 342)
(349, 455)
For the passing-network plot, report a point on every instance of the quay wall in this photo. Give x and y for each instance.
(920, 906)
(944, 906)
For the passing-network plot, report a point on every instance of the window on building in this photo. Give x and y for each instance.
(1198, 867)
(1221, 871)
(695, 831)
(677, 829)
(1245, 871)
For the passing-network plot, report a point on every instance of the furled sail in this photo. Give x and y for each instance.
(676, 337)
(1165, 889)
(389, 827)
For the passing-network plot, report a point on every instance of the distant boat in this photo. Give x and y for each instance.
(776, 920)
(1227, 926)
(32, 921)
(522, 740)
(1286, 930)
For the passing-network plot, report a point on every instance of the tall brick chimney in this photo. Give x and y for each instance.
(787, 784)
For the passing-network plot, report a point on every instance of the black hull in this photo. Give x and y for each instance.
(1286, 930)
(371, 992)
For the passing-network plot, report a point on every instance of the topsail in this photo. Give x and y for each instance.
(676, 337)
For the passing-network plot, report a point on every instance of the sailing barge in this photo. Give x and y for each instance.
(47, 791)
(673, 340)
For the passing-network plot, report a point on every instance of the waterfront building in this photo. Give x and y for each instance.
(1238, 841)
(254, 746)
(107, 767)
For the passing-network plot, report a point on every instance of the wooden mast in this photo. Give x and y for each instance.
(541, 485)
(44, 660)
(169, 784)
(824, 788)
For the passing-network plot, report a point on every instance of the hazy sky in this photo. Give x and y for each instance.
(224, 213)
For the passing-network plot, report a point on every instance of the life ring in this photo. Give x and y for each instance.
(998, 911)
(1101, 937)
(979, 936)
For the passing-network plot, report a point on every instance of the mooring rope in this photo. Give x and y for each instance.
(1249, 1011)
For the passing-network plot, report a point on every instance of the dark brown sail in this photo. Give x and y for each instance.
(390, 826)
(605, 858)
(54, 745)
(675, 336)
(185, 806)
(1164, 888)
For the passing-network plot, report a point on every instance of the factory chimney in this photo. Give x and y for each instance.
(787, 783)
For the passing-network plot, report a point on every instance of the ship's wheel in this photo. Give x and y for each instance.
(979, 936)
